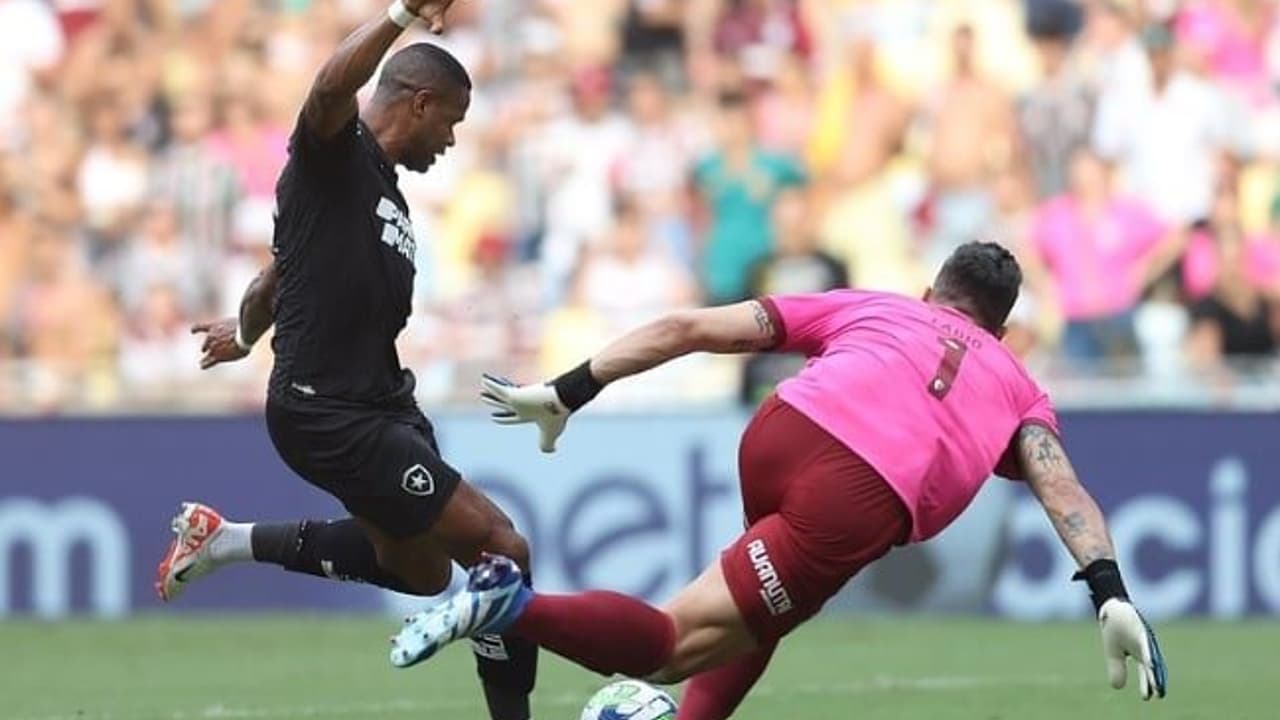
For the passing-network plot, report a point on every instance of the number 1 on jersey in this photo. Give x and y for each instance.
(952, 356)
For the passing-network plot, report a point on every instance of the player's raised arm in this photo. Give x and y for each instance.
(230, 339)
(742, 327)
(332, 99)
(1079, 522)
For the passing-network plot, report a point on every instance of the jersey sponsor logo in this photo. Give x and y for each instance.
(51, 531)
(775, 596)
(490, 647)
(417, 480)
(397, 230)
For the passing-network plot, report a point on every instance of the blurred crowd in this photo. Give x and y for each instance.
(623, 158)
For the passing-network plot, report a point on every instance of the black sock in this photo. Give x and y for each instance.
(335, 549)
(508, 666)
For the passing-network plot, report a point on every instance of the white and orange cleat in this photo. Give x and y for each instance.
(189, 556)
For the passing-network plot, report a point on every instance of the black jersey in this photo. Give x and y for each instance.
(344, 251)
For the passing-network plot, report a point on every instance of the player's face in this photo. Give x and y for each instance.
(436, 120)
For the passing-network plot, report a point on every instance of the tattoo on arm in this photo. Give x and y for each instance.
(764, 338)
(762, 321)
(1096, 552)
(1073, 524)
(1045, 447)
(1074, 513)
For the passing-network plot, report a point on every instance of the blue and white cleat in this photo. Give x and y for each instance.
(494, 597)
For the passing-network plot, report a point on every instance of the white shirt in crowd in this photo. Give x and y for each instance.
(30, 39)
(1166, 145)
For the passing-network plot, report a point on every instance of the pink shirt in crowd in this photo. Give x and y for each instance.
(258, 162)
(1202, 263)
(1096, 262)
(1235, 52)
(925, 396)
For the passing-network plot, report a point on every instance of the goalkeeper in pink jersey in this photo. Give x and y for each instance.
(903, 410)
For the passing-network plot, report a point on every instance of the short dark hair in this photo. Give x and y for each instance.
(982, 278)
(731, 99)
(422, 66)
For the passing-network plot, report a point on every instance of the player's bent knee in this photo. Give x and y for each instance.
(708, 631)
(507, 542)
(685, 661)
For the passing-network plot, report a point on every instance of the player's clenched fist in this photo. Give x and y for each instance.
(221, 342)
(431, 11)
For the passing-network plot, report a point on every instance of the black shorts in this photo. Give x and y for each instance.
(383, 464)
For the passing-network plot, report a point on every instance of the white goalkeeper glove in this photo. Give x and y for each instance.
(519, 404)
(548, 406)
(1125, 633)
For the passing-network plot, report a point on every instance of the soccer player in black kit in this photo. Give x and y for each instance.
(340, 409)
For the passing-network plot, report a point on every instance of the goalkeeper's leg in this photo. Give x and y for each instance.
(715, 694)
(723, 615)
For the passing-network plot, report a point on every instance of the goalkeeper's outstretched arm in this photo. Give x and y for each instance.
(1079, 522)
(738, 328)
(1071, 509)
(742, 327)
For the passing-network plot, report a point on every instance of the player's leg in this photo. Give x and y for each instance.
(420, 512)
(470, 526)
(603, 631)
(609, 632)
(327, 448)
(774, 577)
(419, 560)
(716, 693)
(334, 549)
(835, 516)
(707, 624)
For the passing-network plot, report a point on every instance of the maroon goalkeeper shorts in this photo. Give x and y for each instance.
(816, 514)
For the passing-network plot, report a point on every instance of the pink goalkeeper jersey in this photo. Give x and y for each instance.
(928, 398)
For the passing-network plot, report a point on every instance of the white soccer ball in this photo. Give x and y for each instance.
(630, 700)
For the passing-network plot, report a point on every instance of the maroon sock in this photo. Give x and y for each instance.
(602, 631)
(715, 694)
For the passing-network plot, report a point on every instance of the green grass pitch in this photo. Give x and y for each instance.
(335, 667)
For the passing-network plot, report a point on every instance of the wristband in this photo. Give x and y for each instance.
(241, 342)
(1105, 583)
(400, 15)
(577, 387)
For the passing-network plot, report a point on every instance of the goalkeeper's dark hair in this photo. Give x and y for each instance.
(982, 279)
